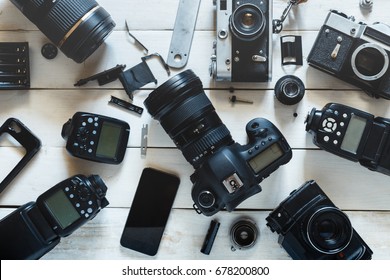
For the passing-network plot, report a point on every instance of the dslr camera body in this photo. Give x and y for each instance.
(354, 52)
(35, 228)
(311, 227)
(226, 173)
(234, 173)
(243, 47)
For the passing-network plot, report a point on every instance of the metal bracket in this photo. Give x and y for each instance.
(183, 33)
(144, 139)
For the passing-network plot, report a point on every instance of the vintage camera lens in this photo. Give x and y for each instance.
(77, 27)
(189, 118)
(243, 234)
(329, 230)
(289, 90)
(369, 62)
(247, 22)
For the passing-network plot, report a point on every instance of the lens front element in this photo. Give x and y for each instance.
(329, 230)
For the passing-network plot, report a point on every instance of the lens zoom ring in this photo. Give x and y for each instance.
(64, 16)
(186, 110)
(207, 143)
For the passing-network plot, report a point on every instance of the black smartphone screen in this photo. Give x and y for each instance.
(149, 211)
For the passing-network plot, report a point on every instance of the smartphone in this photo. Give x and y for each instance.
(149, 211)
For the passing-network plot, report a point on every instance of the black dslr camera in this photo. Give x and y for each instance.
(243, 48)
(354, 52)
(311, 227)
(35, 228)
(352, 134)
(226, 172)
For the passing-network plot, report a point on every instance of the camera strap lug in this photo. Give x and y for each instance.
(278, 23)
(183, 33)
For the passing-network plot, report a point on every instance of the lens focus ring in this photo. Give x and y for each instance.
(205, 145)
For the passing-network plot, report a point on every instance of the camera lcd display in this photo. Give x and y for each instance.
(61, 209)
(149, 212)
(108, 140)
(353, 134)
(265, 158)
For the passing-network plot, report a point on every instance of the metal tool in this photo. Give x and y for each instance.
(183, 33)
(144, 139)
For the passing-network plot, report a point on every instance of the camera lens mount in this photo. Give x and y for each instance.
(369, 62)
(247, 22)
(329, 230)
(243, 234)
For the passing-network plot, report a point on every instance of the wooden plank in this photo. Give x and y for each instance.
(63, 72)
(349, 185)
(99, 238)
(52, 108)
(141, 15)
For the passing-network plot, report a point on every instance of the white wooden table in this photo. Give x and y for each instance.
(364, 195)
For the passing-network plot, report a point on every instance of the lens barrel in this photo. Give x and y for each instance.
(77, 27)
(189, 118)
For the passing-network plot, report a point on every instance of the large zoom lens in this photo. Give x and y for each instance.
(77, 27)
(329, 230)
(189, 118)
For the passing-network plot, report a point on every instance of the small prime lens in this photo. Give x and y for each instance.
(76, 27)
(329, 230)
(289, 90)
(243, 234)
(189, 118)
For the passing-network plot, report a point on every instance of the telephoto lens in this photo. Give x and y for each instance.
(189, 118)
(76, 27)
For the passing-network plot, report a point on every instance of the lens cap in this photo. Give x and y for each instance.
(289, 90)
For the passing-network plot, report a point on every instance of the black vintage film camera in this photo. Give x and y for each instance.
(35, 228)
(243, 47)
(352, 134)
(311, 227)
(354, 52)
(226, 172)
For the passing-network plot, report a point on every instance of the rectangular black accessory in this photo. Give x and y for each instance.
(14, 66)
(149, 211)
(96, 137)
